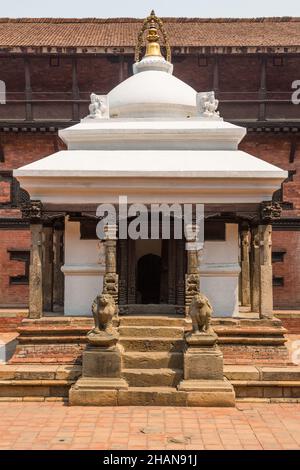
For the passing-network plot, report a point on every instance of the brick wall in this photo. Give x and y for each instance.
(21, 148)
(12, 294)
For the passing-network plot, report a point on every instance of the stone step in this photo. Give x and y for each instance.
(153, 320)
(151, 331)
(152, 360)
(151, 344)
(152, 377)
(8, 343)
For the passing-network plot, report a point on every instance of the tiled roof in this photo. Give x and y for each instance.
(122, 32)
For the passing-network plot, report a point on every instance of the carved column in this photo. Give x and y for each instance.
(47, 257)
(245, 266)
(110, 284)
(255, 270)
(58, 261)
(266, 277)
(269, 211)
(192, 277)
(33, 212)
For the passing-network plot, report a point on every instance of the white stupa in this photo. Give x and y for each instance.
(154, 139)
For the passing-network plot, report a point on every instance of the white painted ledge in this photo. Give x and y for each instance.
(216, 269)
(82, 270)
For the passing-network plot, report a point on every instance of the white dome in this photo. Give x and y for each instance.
(152, 93)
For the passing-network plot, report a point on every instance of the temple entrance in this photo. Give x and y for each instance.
(148, 279)
(151, 272)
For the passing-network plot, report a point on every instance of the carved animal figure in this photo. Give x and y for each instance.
(207, 104)
(103, 309)
(200, 312)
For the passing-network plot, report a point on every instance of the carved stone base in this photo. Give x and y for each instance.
(101, 362)
(208, 392)
(96, 391)
(203, 360)
(102, 339)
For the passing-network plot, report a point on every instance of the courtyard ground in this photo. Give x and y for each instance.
(55, 425)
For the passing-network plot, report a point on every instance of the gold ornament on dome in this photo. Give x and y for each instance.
(153, 24)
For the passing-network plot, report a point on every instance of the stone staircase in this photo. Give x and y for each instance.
(153, 350)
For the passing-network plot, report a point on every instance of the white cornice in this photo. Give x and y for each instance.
(83, 269)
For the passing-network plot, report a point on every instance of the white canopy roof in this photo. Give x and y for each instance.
(150, 175)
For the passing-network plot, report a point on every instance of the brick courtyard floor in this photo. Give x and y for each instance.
(57, 426)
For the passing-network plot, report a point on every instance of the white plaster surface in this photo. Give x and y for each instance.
(140, 94)
(219, 273)
(83, 276)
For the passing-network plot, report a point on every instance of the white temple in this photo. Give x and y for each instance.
(153, 139)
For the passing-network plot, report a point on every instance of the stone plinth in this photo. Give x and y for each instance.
(203, 372)
(100, 362)
(208, 392)
(101, 376)
(203, 360)
(90, 391)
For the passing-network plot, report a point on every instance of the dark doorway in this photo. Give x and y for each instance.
(148, 279)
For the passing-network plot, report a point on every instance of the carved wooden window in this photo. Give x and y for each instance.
(278, 61)
(278, 281)
(214, 231)
(278, 256)
(54, 61)
(1, 154)
(88, 230)
(202, 61)
(22, 256)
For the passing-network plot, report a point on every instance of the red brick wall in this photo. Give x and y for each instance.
(12, 73)
(25, 147)
(287, 296)
(239, 74)
(19, 149)
(97, 74)
(276, 149)
(12, 294)
(200, 78)
(280, 78)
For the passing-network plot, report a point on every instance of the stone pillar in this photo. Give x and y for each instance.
(192, 277)
(32, 211)
(245, 267)
(47, 257)
(111, 281)
(266, 276)
(36, 273)
(58, 261)
(255, 270)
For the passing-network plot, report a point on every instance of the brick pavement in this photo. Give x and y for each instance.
(54, 425)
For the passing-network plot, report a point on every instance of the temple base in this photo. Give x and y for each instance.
(208, 392)
(96, 391)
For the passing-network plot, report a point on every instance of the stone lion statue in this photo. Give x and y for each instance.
(104, 310)
(200, 312)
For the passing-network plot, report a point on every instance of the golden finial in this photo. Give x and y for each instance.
(153, 24)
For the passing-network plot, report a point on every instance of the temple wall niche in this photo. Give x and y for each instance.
(219, 269)
(83, 274)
